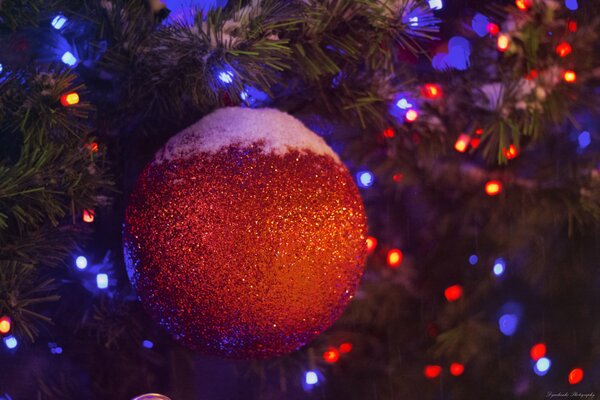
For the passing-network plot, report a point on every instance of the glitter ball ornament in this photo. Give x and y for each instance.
(245, 237)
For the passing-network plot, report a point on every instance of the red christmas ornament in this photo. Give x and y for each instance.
(245, 237)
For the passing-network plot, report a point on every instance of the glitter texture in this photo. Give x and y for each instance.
(245, 252)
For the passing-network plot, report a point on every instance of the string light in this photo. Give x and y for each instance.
(569, 76)
(511, 153)
(572, 26)
(147, 344)
(432, 371)
(59, 21)
(571, 4)
(537, 351)
(389, 133)
(523, 5)
(499, 267)
(394, 258)
(81, 262)
(473, 259)
(311, 378)
(563, 49)
(69, 59)
(479, 131)
(331, 355)
(436, 4)
(371, 244)
(365, 179)
(462, 143)
(575, 376)
(88, 216)
(503, 42)
(453, 293)
(508, 324)
(542, 366)
(11, 342)
(93, 147)
(493, 29)
(533, 74)
(403, 104)
(398, 177)
(493, 188)
(5, 325)
(226, 77)
(69, 99)
(584, 139)
(475, 142)
(412, 115)
(432, 91)
(102, 281)
(457, 369)
(345, 347)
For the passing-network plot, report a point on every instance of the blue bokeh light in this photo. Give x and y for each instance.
(584, 139)
(458, 56)
(436, 4)
(473, 259)
(542, 366)
(311, 378)
(508, 324)
(59, 21)
(226, 77)
(365, 179)
(571, 4)
(499, 267)
(11, 342)
(479, 24)
(68, 58)
(1, 68)
(102, 281)
(81, 262)
(147, 344)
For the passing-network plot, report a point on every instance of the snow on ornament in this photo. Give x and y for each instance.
(245, 237)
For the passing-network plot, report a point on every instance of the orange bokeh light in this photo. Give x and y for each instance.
(432, 91)
(371, 244)
(523, 5)
(570, 76)
(503, 42)
(411, 115)
(88, 216)
(453, 293)
(394, 258)
(462, 143)
(69, 99)
(5, 325)
(511, 152)
(493, 188)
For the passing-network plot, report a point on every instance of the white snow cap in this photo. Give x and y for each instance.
(278, 132)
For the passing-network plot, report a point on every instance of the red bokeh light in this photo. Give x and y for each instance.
(569, 76)
(389, 133)
(88, 216)
(345, 347)
(503, 42)
(432, 371)
(432, 91)
(394, 258)
(493, 29)
(511, 153)
(453, 293)
(537, 351)
(462, 143)
(563, 49)
(331, 355)
(493, 188)
(457, 369)
(575, 376)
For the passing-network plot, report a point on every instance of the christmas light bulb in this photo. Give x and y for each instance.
(5, 325)
(453, 293)
(523, 5)
(503, 42)
(432, 371)
(331, 355)
(394, 258)
(389, 133)
(493, 188)
(432, 91)
(88, 216)
(569, 76)
(575, 376)
(462, 143)
(563, 49)
(511, 153)
(69, 99)
(537, 351)
(412, 115)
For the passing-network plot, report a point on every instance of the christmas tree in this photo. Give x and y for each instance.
(469, 128)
